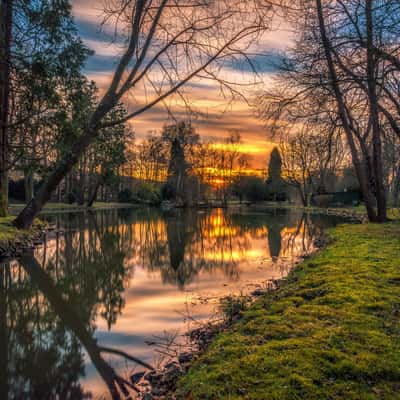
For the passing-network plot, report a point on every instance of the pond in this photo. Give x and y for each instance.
(123, 278)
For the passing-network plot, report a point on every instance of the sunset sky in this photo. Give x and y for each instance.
(218, 118)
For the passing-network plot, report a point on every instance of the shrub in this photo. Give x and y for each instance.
(148, 193)
(323, 200)
(17, 189)
(255, 189)
(168, 191)
(125, 196)
(232, 306)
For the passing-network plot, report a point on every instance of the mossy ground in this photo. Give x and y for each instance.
(9, 233)
(332, 331)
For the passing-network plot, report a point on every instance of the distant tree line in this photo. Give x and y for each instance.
(176, 165)
(334, 105)
(157, 37)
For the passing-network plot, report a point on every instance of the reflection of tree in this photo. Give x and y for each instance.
(70, 318)
(184, 243)
(300, 239)
(39, 359)
(199, 242)
(274, 240)
(87, 266)
(47, 314)
(179, 233)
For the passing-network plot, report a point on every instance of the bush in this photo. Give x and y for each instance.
(71, 198)
(323, 200)
(148, 193)
(125, 196)
(168, 191)
(255, 189)
(232, 306)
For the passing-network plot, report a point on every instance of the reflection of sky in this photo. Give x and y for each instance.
(165, 267)
(204, 95)
(236, 256)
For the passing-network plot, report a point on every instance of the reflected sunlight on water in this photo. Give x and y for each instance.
(125, 276)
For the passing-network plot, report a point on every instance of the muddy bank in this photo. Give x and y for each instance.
(15, 242)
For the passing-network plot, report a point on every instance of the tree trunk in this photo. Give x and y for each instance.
(358, 167)
(303, 196)
(380, 192)
(93, 195)
(4, 334)
(25, 218)
(27, 215)
(6, 11)
(82, 184)
(67, 188)
(28, 183)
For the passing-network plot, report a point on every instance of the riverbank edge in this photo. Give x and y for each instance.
(330, 330)
(61, 208)
(13, 242)
(356, 214)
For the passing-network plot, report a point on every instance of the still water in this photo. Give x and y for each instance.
(120, 279)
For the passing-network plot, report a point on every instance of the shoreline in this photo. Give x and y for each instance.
(60, 208)
(319, 334)
(14, 242)
(161, 383)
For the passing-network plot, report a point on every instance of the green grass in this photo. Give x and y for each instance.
(8, 232)
(52, 207)
(331, 331)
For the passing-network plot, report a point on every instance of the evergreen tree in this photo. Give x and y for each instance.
(275, 183)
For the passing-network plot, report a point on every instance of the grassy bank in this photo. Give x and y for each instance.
(358, 212)
(332, 331)
(9, 233)
(51, 208)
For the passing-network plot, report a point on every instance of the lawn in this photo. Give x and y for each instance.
(331, 331)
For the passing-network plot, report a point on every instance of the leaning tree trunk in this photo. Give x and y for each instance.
(6, 11)
(28, 214)
(25, 218)
(93, 194)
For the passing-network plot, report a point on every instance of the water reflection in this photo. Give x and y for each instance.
(113, 272)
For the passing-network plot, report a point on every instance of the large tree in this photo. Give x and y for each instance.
(40, 68)
(168, 43)
(340, 77)
(6, 15)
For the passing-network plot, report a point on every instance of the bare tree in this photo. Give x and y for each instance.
(308, 156)
(168, 43)
(342, 72)
(6, 14)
